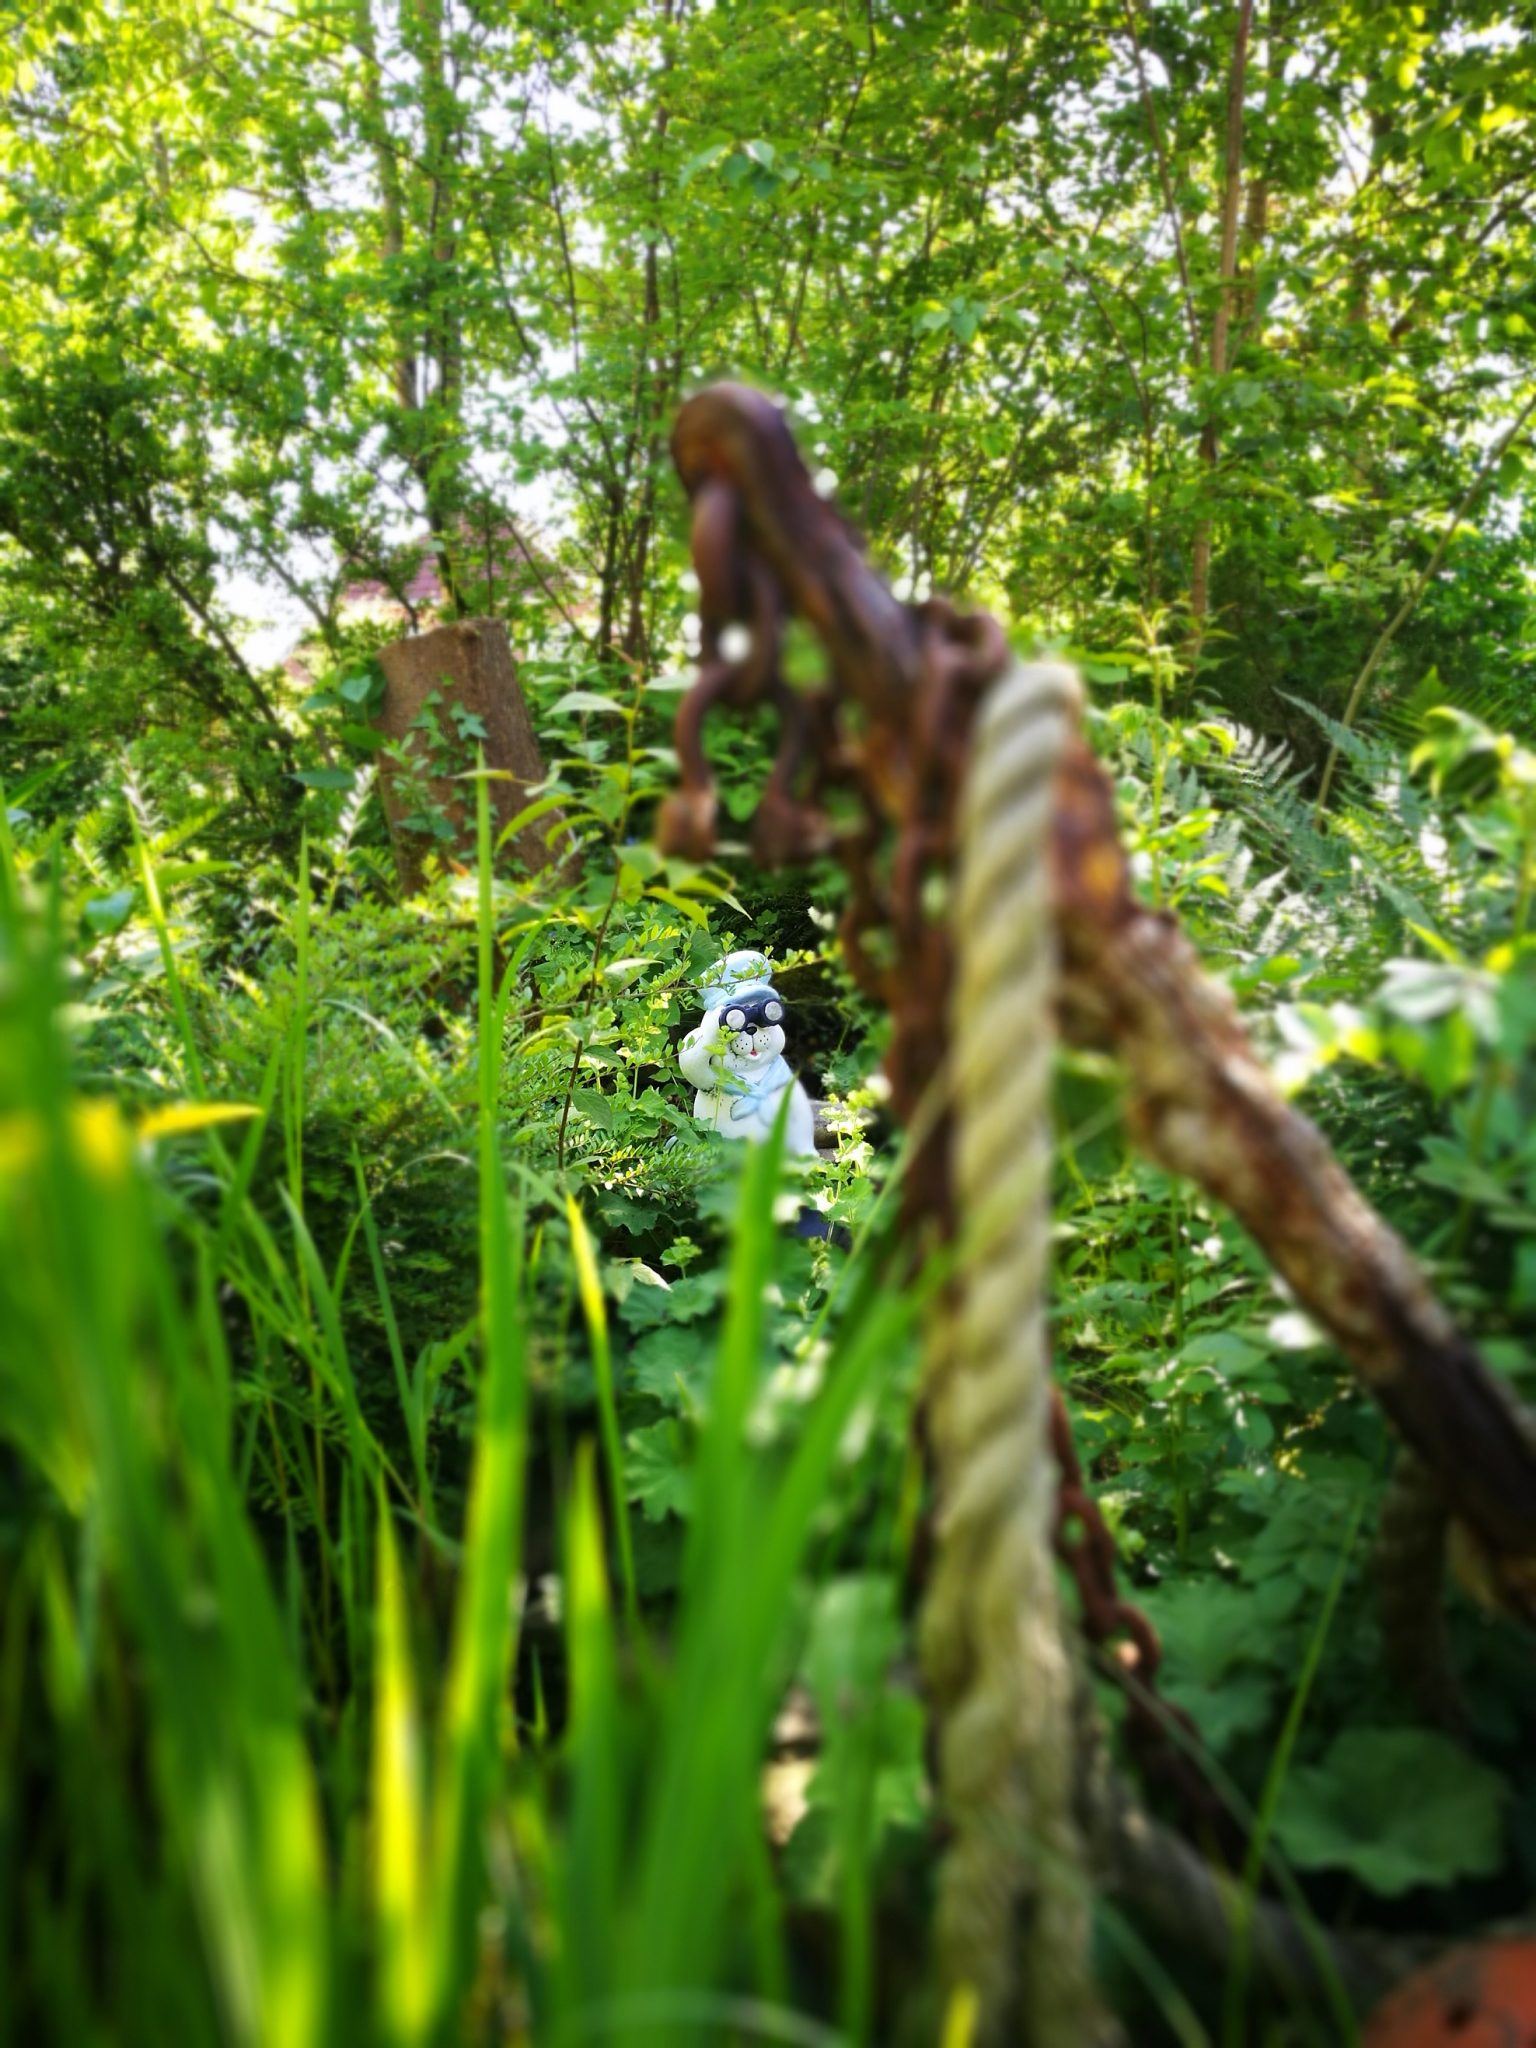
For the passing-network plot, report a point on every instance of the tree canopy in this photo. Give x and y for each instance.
(460, 1521)
(1091, 307)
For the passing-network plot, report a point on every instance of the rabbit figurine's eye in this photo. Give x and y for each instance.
(773, 1012)
(736, 1019)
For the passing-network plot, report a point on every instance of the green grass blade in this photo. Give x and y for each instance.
(410, 1407)
(475, 1704)
(400, 1871)
(593, 1857)
(594, 1309)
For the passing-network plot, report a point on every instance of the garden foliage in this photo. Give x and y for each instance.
(429, 1466)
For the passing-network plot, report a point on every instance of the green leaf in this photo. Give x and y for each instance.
(672, 1366)
(965, 317)
(854, 1635)
(657, 1473)
(679, 1301)
(530, 813)
(109, 913)
(624, 971)
(1395, 1807)
(1206, 1627)
(596, 1107)
(694, 912)
(324, 778)
(1228, 1353)
(704, 161)
(584, 700)
(1240, 1705)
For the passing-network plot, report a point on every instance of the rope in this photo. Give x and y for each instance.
(1013, 1917)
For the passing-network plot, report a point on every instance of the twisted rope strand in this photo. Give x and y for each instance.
(1013, 1911)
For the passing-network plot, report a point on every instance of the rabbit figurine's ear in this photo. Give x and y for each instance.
(746, 966)
(727, 976)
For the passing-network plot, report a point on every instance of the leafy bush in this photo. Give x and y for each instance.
(458, 1281)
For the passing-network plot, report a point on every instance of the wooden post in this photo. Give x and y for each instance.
(437, 683)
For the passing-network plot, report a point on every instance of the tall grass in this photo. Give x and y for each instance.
(261, 1775)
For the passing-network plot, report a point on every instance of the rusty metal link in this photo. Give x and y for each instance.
(1129, 1652)
(766, 546)
(891, 733)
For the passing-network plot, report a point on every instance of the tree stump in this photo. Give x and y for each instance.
(450, 691)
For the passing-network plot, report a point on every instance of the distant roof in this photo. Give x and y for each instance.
(512, 563)
(515, 565)
(424, 587)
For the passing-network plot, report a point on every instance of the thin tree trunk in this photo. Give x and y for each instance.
(1221, 323)
(653, 388)
(1255, 229)
(426, 419)
(651, 408)
(391, 199)
(436, 471)
(1164, 179)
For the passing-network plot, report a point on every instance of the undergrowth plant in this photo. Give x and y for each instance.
(431, 1463)
(1384, 962)
(269, 1699)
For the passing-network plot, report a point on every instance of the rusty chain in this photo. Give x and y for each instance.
(1161, 1737)
(890, 730)
(766, 546)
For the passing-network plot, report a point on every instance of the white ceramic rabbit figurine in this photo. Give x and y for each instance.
(735, 1058)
